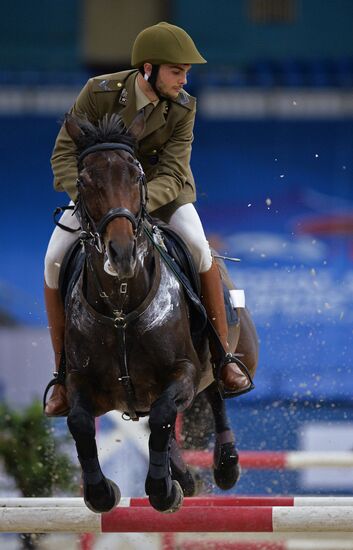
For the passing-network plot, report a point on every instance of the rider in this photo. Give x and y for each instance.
(162, 56)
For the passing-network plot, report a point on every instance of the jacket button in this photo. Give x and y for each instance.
(153, 159)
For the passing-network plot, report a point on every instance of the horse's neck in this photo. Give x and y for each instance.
(104, 292)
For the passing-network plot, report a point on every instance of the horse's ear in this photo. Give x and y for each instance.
(137, 126)
(73, 128)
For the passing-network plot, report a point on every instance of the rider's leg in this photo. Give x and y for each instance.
(187, 223)
(233, 378)
(58, 245)
(57, 404)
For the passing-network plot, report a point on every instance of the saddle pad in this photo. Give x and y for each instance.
(70, 270)
(231, 311)
(179, 251)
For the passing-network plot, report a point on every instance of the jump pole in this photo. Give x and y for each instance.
(208, 501)
(287, 544)
(277, 460)
(205, 519)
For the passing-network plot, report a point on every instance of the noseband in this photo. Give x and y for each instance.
(97, 230)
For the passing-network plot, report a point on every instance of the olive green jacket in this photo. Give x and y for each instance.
(164, 148)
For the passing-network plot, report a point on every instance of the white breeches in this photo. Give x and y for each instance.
(59, 243)
(185, 221)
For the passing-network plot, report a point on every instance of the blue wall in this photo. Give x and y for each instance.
(27, 202)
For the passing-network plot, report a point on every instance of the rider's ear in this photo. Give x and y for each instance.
(73, 129)
(137, 126)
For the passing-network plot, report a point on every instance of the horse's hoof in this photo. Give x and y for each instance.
(190, 480)
(226, 469)
(168, 504)
(102, 497)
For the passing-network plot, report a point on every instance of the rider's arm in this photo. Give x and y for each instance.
(173, 169)
(64, 157)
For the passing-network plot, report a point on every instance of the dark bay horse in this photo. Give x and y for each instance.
(128, 343)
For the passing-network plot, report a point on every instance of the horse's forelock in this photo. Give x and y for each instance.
(108, 129)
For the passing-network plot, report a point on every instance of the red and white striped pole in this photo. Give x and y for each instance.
(199, 502)
(191, 518)
(232, 545)
(277, 460)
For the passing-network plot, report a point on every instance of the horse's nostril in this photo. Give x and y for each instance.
(121, 255)
(114, 250)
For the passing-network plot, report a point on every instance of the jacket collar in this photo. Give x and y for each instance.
(156, 119)
(128, 99)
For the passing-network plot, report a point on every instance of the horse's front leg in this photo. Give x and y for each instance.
(226, 469)
(166, 494)
(100, 493)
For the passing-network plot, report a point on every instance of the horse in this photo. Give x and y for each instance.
(128, 343)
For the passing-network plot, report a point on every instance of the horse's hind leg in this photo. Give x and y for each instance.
(226, 468)
(189, 480)
(100, 493)
(165, 494)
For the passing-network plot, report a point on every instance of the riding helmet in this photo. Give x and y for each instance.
(164, 43)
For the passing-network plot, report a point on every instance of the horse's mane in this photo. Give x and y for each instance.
(108, 129)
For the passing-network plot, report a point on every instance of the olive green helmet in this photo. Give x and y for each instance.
(164, 43)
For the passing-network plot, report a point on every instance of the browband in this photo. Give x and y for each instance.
(105, 147)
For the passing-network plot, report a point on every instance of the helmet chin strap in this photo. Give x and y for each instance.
(152, 79)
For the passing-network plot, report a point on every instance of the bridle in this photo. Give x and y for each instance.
(93, 232)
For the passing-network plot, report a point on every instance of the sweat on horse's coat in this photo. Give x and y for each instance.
(166, 299)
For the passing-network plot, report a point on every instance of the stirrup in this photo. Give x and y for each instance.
(58, 378)
(62, 412)
(227, 394)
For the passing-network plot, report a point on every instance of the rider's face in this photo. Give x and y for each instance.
(171, 79)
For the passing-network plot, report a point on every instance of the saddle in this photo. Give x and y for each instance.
(184, 267)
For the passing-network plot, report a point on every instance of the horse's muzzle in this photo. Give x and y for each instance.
(122, 258)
